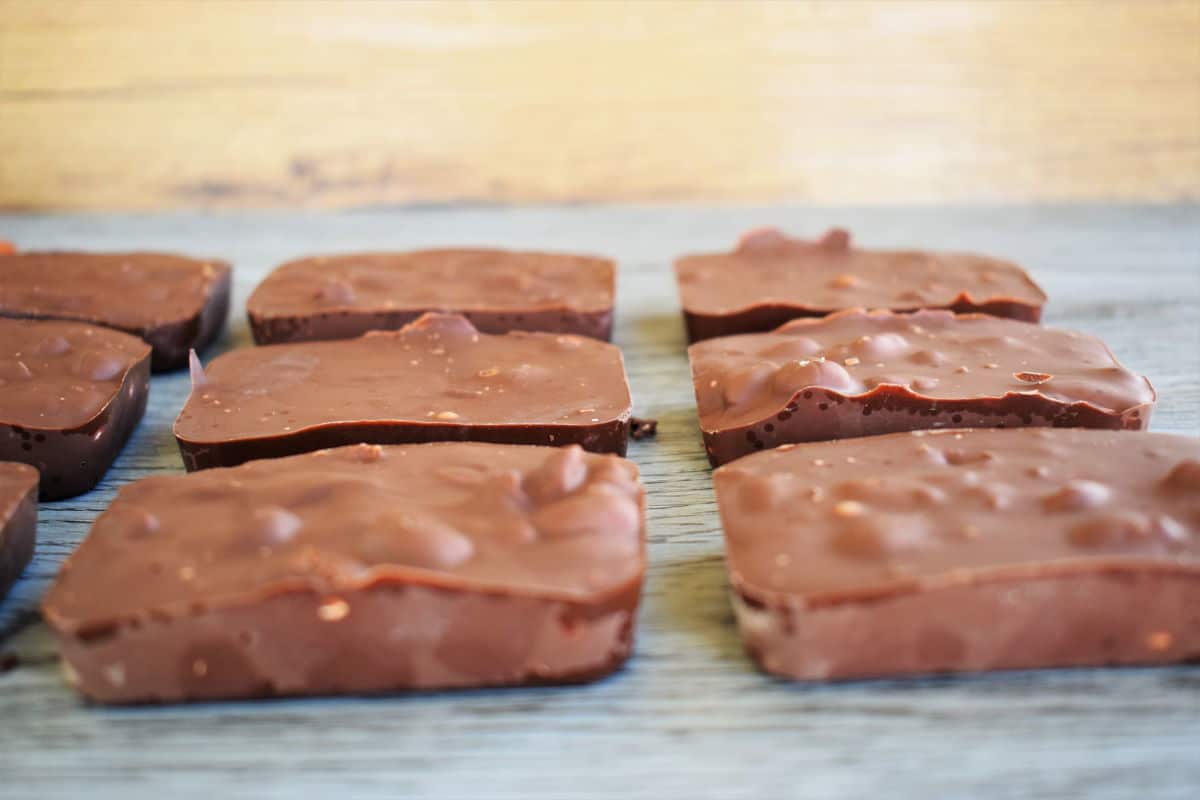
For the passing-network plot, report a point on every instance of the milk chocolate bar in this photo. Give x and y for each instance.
(965, 550)
(771, 278)
(858, 373)
(344, 296)
(436, 379)
(70, 395)
(18, 520)
(172, 302)
(354, 570)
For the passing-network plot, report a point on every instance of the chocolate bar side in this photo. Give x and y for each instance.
(769, 316)
(821, 414)
(605, 437)
(349, 323)
(171, 342)
(1111, 615)
(18, 535)
(73, 460)
(302, 643)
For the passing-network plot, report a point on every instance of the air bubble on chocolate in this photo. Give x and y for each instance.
(1077, 495)
(142, 523)
(1122, 528)
(795, 376)
(743, 385)
(880, 346)
(563, 472)
(276, 525)
(959, 456)
(924, 384)
(415, 540)
(760, 493)
(597, 510)
(366, 453)
(791, 348)
(335, 292)
(466, 476)
(878, 537)
(98, 366)
(932, 358)
(53, 346)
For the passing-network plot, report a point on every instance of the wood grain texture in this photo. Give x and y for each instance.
(689, 717)
(137, 104)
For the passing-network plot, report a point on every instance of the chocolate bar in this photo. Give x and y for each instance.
(858, 373)
(965, 550)
(344, 296)
(174, 303)
(70, 396)
(436, 379)
(771, 278)
(354, 570)
(18, 520)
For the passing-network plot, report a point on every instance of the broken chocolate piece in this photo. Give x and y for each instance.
(344, 296)
(174, 303)
(18, 520)
(359, 569)
(640, 429)
(70, 395)
(771, 278)
(965, 550)
(436, 379)
(856, 373)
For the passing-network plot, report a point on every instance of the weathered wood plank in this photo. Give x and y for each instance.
(138, 104)
(689, 717)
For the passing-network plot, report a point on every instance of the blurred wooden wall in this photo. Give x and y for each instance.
(124, 104)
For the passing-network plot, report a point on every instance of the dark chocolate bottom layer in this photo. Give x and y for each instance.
(352, 324)
(816, 415)
(607, 437)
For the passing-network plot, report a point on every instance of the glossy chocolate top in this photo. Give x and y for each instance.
(131, 291)
(859, 516)
(436, 370)
(554, 522)
(16, 479)
(60, 375)
(448, 280)
(770, 268)
(929, 354)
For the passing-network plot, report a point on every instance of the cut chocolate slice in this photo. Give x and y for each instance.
(344, 296)
(172, 302)
(856, 373)
(771, 278)
(437, 379)
(70, 395)
(359, 569)
(968, 550)
(18, 520)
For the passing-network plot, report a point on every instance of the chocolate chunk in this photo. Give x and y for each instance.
(771, 278)
(892, 556)
(70, 395)
(343, 296)
(436, 379)
(172, 302)
(856, 373)
(18, 520)
(642, 428)
(358, 569)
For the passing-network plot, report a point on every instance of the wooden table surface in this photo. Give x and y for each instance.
(689, 717)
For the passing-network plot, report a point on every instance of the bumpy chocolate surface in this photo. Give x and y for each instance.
(174, 303)
(358, 569)
(771, 278)
(343, 296)
(966, 550)
(70, 395)
(436, 379)
(18, 520)
(857, 373)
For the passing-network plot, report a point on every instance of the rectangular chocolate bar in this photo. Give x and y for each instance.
(858, 373)
(968, 550)
(771, 278)
(436, 379)
(18, 520)
(174, 303)
(359, 569)
(70, 396)
(344, 296)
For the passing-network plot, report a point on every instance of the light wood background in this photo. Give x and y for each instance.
(128, 104)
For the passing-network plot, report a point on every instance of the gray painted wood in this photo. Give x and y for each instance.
(689, 717)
